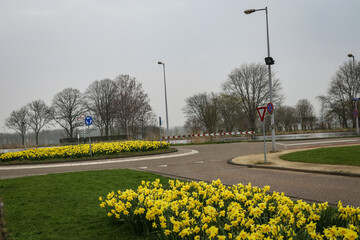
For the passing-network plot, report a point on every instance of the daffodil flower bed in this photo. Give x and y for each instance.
(83, 150)
(191, 210)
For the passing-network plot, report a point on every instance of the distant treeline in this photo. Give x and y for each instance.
(46, 137)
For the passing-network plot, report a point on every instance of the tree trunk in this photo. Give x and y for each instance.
(37, 138)
(23, 139)
(106, 130)
(71, 132)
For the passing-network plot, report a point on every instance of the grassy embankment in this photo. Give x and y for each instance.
(348, 155)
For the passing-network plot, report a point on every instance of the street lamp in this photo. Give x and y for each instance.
(166, 107)
(355, 92)
(269, 61)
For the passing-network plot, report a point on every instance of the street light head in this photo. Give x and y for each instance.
(350, 55)
(160, 62)
(249, 11)
(269, 61)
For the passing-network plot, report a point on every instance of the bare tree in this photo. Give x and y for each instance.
(328, 117)
(305, 114)
(192, 125)
(204, 108)
(39, 115)
(67, 105)
(19, 121)
(251, 85)
(342, 89)
(231, 113)
(133, 108)
(286, 118)
(101, 99)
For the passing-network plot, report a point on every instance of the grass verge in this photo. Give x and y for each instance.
(348, 155)
(66, 206)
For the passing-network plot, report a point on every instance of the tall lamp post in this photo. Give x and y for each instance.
(166, 107)
(355, 92)
(269, 61)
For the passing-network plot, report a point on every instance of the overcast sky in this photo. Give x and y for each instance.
(47, 46)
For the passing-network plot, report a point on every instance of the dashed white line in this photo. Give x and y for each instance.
(162, 165)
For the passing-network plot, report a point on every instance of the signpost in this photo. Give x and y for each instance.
(261, 111)
(88, 122)
(160, 130)
(356, 113)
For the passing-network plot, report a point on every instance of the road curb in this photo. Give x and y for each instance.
(344, 174)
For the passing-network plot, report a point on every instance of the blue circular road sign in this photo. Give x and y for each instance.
(270, 108)
(355, 113)
(88, 120)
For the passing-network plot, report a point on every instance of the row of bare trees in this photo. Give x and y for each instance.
(246, 89)
(337, 105)
(118, 105)
(34, 115)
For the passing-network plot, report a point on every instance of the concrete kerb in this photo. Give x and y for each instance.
(274, 162)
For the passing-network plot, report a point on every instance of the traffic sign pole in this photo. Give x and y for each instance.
(90, 141)
(160, 131)
(261, 111)
(88, 122)
(356, 116)
(264, 140)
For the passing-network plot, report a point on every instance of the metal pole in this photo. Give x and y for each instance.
(272, 126)
(166, 106)
(160, 131)
(90, 141)
(23, 131)
(355, 93)
(4, 137)
(264, 140)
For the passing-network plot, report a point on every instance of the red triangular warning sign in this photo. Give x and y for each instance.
(261, 111)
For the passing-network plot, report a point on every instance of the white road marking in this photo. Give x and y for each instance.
(142, 167)
(311, 143)
(162, 165)
(97, 162)
(199, 162)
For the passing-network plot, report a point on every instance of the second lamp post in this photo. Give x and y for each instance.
(355, 92)
(166, 107)
(269, 61)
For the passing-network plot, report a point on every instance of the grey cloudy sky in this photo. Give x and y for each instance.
(46, 46)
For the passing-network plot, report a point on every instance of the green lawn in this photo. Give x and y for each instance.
(349, 155)
(66, 206)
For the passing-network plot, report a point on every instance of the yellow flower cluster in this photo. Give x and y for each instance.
(78, 151)
(191, 210)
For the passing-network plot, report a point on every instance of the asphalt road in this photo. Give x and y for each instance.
(209, 162)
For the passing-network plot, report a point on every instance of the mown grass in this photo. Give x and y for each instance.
(349, 155)
(66, 206)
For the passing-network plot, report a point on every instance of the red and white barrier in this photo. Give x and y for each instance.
(209, 134)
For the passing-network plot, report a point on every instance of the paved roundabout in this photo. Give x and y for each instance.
(211, 162)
